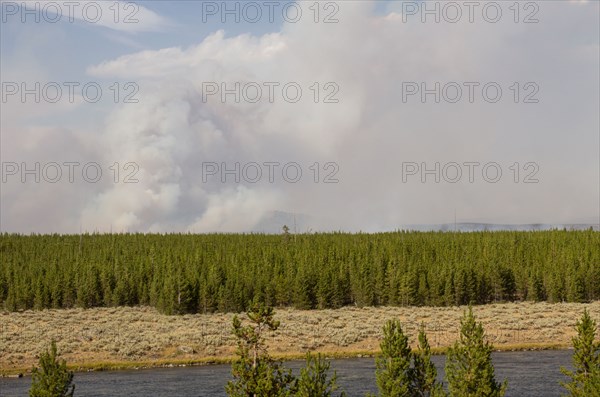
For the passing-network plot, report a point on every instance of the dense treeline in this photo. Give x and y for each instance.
(183, 273)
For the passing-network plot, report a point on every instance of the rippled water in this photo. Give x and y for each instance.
(528, 374)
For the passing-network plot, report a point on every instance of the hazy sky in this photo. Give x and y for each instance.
(513, 138)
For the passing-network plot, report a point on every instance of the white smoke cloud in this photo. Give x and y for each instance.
(172, 131)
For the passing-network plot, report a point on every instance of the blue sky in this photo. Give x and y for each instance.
(85, 44)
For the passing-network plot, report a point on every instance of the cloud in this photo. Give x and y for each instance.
(234, 210)
(361, 141)
(126, 17)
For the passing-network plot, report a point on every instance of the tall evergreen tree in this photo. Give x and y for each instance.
(51, 379)
(469, 368)
(535, 290)
(393, 366)
(255, 373)
(585, 380)
(314, 380)
(304, 297)
(576, 287)
(424, 373)
(401, 372)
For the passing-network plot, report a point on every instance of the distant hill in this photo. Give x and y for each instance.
(479, 227)
(273, 222)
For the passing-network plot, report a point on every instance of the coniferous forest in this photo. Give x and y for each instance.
(187, 273)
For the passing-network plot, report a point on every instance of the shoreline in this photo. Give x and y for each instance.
(226, 360)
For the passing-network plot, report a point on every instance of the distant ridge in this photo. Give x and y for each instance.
(272, 223)
(480, 227)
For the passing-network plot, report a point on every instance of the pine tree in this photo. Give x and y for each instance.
(469, 368)
(42, 296)
(304, 297)
(507, 284)
(255, 373)
(423, 290)
(325, 290)
(393, 366)
(460, 288)
(556, 292)
(286, 233)
(314, 381)
(186, 299)
(576, 287)
(51, 379)
(585, 380)
(449, 290)
(408, 289)
(401, 372)
(424, 373)
(536, 291)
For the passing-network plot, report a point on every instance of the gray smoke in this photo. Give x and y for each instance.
(362, 141)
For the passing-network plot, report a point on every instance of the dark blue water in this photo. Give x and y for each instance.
(528, 373)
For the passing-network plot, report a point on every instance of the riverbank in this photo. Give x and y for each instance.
(140, 337)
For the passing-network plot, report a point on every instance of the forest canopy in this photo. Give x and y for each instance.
(188, 273)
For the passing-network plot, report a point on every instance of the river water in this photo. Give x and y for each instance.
(531, 373)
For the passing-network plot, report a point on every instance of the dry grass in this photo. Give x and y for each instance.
(110, 338)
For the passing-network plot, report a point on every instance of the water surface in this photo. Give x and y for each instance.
(535, 374)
